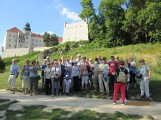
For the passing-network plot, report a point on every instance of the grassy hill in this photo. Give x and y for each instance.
(150, 52)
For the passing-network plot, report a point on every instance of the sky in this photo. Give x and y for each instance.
(43, 15)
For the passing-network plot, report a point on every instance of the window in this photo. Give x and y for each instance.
(9, 35)
(9, 45)
(36, 40)
(32, 44)
(26, 37)
(32, 39)
(14, 36)
(20, 45)
(15, 46)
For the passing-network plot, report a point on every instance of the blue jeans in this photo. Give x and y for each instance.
(55, 85)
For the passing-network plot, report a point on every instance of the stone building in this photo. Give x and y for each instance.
(75, 31)
(15, 38)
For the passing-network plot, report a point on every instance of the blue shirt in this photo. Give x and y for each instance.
(43, 67)
(14, 69)
(34, 72)
(26, 71)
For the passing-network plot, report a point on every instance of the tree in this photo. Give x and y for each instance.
(27, 27)
(88, 13)
(50, 39)
(113, 15)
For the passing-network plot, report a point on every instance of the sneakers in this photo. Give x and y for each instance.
(142, 96)
(114, 103)
(123, 103)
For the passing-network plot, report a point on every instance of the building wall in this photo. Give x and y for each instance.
(15, 52)
(13, 40)
(75, 31)
(21, 51)
(10, 40)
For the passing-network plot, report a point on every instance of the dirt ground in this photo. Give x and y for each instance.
(75, 104)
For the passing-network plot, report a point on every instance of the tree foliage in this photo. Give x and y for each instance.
(2, 65)
(50, 39)
(122, 22)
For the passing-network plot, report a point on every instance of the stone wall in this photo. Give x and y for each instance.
(15, 52)
(21, 51)
(75, 31)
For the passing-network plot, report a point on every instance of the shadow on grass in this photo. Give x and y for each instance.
(37, 113)
(134, 92)
(6, 105)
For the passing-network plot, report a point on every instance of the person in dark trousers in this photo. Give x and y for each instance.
(47, 79)
(76, 77)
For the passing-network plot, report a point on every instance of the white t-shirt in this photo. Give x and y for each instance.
(56, 70)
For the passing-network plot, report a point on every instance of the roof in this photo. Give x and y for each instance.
(60, 39)
(36, 35)
(14, 29)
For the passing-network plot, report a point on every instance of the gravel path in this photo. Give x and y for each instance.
(76, 104)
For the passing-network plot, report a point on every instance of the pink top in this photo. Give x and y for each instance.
(112, 65)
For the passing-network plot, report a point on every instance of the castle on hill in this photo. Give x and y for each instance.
(15, 38)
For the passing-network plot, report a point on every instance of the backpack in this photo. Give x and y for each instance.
(121, 77)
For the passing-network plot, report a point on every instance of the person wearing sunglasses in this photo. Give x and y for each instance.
(144, 83)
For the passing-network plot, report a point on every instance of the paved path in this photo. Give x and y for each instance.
(75, 104)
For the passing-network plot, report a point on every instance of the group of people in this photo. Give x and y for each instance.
(64, 76)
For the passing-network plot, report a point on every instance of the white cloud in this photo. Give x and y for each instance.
(70, 14)
(50, 32)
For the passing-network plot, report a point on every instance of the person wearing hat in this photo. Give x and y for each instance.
(47, 59)
(144, 83)
(14, 72)
(79, 60)
(25, 77)
(67, 84)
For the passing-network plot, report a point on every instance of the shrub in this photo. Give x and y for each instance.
(2, 65)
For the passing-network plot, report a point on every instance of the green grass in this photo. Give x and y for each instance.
(150, 52)
(4, 100)
(37, 113)
(5, 106)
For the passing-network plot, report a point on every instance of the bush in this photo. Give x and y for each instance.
(2, 65)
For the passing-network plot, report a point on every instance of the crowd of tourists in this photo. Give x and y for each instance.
(75, 75)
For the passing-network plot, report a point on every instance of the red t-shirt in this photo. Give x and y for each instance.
(112, 65)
